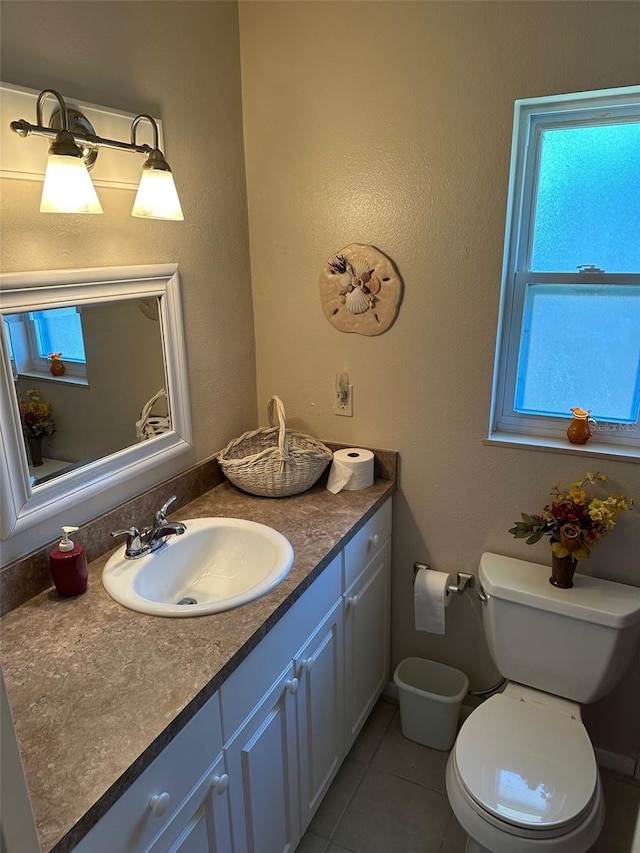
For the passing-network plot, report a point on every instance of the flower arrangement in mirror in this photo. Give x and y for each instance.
(37, 422)
(574, 522)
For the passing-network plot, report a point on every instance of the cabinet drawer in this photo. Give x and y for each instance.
(366, 543)
(131, 823)
(248, 684)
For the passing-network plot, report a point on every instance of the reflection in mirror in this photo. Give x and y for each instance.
(94, 360)
(104, 391)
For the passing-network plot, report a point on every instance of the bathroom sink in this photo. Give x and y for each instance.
(217, 564)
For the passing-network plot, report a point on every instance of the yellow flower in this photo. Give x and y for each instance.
(578, 496)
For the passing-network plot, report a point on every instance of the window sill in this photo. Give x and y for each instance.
(48, 377)
(595, 449)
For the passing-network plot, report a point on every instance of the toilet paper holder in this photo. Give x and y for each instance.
(463, 580)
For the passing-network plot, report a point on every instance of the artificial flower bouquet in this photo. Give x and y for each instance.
(36, 416)
(573, 521)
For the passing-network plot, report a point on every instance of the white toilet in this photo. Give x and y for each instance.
(522, 774)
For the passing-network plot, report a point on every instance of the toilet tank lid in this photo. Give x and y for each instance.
(595, 600)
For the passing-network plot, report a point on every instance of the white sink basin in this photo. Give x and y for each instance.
(219, 563)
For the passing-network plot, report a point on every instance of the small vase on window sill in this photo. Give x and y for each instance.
(56, 367)
(579, 431)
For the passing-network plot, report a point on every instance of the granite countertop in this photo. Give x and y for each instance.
(97, 691)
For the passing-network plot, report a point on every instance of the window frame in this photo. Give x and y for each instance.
(531, 117)
(26, 359)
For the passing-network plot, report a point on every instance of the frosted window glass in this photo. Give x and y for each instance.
(587, 207)
(580, 346)
(59, 330)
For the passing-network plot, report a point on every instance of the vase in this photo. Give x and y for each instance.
(579, 431)
(56, 367)
(35, 451)
(562, 571)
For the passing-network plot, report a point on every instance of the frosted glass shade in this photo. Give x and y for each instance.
(68, 187)
(157, 197)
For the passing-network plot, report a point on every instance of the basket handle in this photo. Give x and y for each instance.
(275, 412)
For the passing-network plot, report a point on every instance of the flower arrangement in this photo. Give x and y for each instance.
(36, 416)
(573, 521)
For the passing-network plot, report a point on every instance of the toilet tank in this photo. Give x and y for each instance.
(576, 643)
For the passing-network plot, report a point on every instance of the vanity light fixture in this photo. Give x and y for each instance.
(67, 185)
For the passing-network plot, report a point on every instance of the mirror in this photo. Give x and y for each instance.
(111, 402)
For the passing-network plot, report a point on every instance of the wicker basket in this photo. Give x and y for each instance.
(274, 462)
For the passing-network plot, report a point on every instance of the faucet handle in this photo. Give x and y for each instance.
(132, 533)
(161, 514)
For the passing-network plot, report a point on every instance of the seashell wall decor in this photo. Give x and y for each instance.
(360, 290)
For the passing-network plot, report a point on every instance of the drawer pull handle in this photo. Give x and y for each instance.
(159, 803)
(352, 600)
(373, 540)
(306, 664)
(220, 783)
(292, 685)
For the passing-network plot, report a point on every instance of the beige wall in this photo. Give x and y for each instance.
(389, 123)
(179, 61)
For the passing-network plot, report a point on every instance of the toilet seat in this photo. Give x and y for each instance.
(525, 766)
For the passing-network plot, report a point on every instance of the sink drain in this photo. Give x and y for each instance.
(187, 601)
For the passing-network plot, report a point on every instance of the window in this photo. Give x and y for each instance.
(33, 336)
(569, 330)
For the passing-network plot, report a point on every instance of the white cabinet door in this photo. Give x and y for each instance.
(262, 765)
(320, 706)
(366, 640)
(202, 825)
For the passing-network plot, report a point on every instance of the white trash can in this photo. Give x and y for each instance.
(430, 697)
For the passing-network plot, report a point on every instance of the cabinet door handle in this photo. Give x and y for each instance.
(159, 803)
(352, 600)
(306, 664)
(220, 783)
(373, 540)
(292, 685)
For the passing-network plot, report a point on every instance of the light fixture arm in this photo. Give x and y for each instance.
(89, 140)
(42, 97)
(154, 127)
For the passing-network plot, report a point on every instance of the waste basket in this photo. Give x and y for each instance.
(430, 697)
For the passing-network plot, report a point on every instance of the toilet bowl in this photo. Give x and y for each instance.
(522, 776)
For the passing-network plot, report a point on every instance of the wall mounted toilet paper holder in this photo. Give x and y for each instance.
(463, 580)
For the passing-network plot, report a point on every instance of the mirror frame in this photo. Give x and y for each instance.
(24, 507)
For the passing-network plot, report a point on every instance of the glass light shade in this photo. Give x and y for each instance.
(68, 187)
(157, 197)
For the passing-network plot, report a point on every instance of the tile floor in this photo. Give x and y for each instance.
(390, 797)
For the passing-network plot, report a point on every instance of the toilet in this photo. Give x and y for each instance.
(522, 774)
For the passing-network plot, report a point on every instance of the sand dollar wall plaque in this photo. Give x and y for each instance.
(360, 290)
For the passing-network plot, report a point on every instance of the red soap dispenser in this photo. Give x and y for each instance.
(68, 565)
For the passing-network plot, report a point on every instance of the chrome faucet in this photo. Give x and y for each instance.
(149, 539)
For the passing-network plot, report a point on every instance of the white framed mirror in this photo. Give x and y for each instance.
(131, 325)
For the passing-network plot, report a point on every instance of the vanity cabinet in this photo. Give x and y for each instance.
(248, 772)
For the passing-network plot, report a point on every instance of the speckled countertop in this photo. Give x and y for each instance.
(97, 691)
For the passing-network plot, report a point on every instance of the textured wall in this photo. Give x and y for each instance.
(179, 61)
(390, 123)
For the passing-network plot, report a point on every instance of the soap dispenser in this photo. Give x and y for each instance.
(68, 565)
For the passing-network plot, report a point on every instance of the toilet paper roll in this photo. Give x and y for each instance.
(430, 597)
(351, 469)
